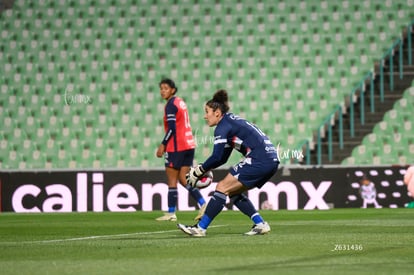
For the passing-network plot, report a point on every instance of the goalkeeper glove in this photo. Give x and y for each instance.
(194, 175)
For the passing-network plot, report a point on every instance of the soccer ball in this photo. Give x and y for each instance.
(205, 180)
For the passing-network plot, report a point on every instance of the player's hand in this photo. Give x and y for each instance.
(194, 174)
(160, 150)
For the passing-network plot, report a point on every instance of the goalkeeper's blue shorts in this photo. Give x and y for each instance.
(254, 173)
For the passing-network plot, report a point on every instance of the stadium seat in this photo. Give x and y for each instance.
(391, 139)
(255, 49)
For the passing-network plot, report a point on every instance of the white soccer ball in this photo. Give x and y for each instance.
(205, 180)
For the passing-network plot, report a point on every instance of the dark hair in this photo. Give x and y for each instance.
(170, 83)
(365, 179)
(220, 101)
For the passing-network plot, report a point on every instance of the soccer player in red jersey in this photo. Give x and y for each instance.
(178, 148)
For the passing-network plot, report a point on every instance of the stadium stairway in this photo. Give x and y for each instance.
(371, 119)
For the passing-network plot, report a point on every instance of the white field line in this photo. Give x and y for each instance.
(98, 237)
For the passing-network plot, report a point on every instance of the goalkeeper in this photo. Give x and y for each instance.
(259, 165)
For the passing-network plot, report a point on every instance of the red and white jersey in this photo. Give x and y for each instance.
(179, 135)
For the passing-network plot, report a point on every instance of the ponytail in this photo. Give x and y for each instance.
(220, 101)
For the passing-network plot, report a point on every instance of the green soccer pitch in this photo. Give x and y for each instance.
(337, 241)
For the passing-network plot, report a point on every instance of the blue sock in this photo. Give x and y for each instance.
(246, 207)
(195, 193)
(214, 207)
(256, 218)
(172, 199)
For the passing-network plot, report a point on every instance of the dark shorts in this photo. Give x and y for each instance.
(177, 160)
(254, 173)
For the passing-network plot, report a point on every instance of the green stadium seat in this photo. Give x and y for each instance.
(253, 48)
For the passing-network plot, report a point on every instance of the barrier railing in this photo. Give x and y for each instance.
(328, 123)
(305, 143)
(389, 55)
(409, 42)
(361, 88)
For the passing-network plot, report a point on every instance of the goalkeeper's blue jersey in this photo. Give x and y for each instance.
(234, 132)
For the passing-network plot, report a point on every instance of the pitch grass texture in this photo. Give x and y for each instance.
(339, 241)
